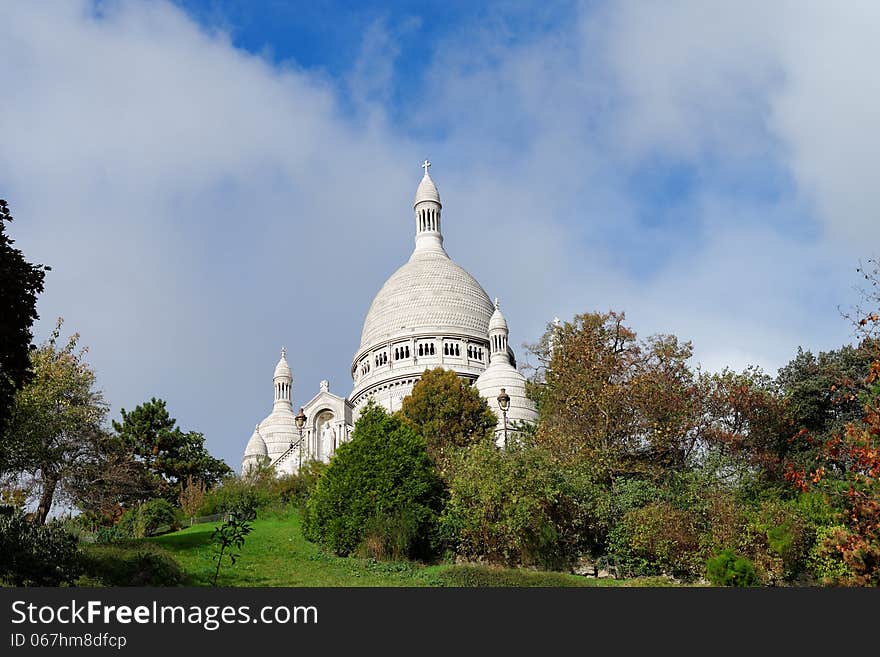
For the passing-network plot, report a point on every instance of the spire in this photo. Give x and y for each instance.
(283, 380)
(498, 335)
(427, 208)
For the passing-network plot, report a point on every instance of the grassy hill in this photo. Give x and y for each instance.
(277, 554)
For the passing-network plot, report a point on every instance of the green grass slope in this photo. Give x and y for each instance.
(277, 554)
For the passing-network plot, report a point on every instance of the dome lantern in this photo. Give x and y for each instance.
(283, 380)
(427, 209)
(498, 336)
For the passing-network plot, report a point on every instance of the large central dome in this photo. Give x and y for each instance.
(428, 293)
(430, 313)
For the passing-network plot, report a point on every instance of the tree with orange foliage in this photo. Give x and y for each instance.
(625, 405)
(848, 469)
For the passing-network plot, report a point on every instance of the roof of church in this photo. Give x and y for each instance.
(427, 190)
(497, 321)
(256, 445)
(282, 369)
(429, 293)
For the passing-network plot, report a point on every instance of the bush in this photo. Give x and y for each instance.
(122, 565)
(518, 507)
(384, 472)
(782, 541)
(657, 539)
(145, 519)
(34, 555)
(825, 561)
(729, 569)
(238, 493)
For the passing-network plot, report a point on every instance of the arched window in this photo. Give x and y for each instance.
(420, 351)
(457, 351)
(407, 351)
(432, 348)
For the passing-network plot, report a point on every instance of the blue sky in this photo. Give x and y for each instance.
(211, 180)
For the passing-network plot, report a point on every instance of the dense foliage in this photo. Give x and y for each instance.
(144, 519)
(56, 422)
(380, 494)
(36, 555)
(448, 413)
(21, 283)
(168, 454)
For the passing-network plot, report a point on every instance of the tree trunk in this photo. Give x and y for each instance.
(50, 482)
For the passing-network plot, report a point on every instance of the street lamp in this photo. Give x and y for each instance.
(300, 420)
(504, 405)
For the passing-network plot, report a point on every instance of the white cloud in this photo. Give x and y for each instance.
(201, 206)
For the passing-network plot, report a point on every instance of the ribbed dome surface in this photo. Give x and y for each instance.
(503, 375)
(279, 430)
(428, 293)
(256, 446)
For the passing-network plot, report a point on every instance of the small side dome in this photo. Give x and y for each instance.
(497, 322)
(501, 375)
(256, 445)
(282, 369)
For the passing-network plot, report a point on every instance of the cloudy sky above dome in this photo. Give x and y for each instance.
(211, 180)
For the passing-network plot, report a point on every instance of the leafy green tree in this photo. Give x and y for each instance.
(383, 477)
(823, 393)
(169, 454)
(21, 283)
(448, 413)
(56, 420)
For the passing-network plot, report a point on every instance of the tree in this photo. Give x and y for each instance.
(228, 538)
(822, 395)
(848, 470)
(629, 407)
(56, 419)
(108, 479)
(20, 283)
(746, 417)
(382, 482)
(168, 454)
(448, 413)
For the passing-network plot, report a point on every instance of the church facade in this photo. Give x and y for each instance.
(430, 313)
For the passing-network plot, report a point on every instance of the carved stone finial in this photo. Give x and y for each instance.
(325, 386)
(284, 352)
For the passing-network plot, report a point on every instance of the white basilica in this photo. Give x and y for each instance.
(430, 313)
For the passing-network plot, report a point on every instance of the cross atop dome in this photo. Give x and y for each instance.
(426, 165)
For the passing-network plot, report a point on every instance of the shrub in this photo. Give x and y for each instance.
(35, 555)
(517, 506)
(825, 561)
(782, 541)
(383, 472)
(657, 539)
(238, 492)
(122, 565)
(729, 569)
(145, 519)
